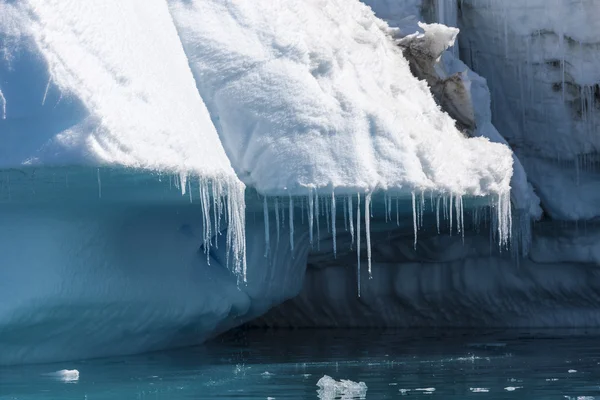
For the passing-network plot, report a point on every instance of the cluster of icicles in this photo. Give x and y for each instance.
(222, 200)
(314, 207)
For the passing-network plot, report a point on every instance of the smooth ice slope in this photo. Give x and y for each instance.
(101, 83)
(83, 276)
(316, 94)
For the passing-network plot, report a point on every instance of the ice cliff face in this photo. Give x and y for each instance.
(377, 185)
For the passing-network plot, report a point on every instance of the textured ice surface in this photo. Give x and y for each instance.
(319, 89)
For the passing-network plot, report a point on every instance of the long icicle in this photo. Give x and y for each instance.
(318, 214)
(291, 223)
(414, 212)
(350, 218)
(267, 239)
(311, 215)
(358, 242)
(333, 232)
(368, 230)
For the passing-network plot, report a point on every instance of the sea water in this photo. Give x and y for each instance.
(283, 364)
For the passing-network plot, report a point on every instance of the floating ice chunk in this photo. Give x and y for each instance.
(479, 390)
(551, 379)
(267, 374)
(404, 392)
(512, 388)
(425, 389)
(572, 371)
(330, 389)
(65, 375)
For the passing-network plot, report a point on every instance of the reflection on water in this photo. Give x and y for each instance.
(288, 364)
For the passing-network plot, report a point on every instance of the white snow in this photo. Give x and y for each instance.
(319, 89)
(66, 375)
(330, 389)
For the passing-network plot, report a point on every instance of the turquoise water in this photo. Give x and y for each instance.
(287, 365)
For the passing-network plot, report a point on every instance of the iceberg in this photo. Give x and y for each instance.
(172, 169)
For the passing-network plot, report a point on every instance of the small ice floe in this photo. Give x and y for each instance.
(572, 371)
(266, 374)
(580, 398)
(479, 390)
(512, 388)
(404, 392)
(427, 390)
(330, 389)
(65, 375)
(487, 345)
(270, 398)
(393, 384)
(551, 379)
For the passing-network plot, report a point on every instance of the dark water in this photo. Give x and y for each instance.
(287, 365)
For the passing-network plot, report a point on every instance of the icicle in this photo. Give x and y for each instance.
(368, 206)
(350, 218)
(437, 214)
(457, 209)
(385, 205)
(333, 232)
(414, 212)
(318, 218)
(450, 211)
(183, 183)
(3, 106)
(236, 233)
(266, 216)
(189, 189)
(358, 242)
(389, 207)
(277, 221)
(311, 215)
(422, 207)
(345, 211)
(220, 204)
(205, 198)
(291, 223)
(216, 198)
(99, 183)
